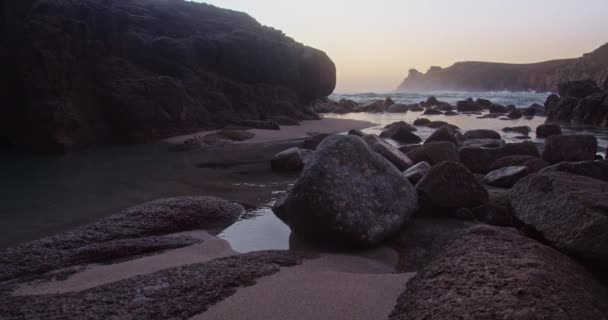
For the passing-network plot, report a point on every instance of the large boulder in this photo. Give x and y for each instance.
(480, 160)
(521, 129)
(498, 108)
(349, 195)
(506, 177)
(484, 103)
(376, 106)
(468, 106)
(496, 273)
(534, 164)
(446, 133)
(515, 114)
(397, 108)
(482, 134)
(312, 142)
(434, 153)
(597, 169)
(570, 212)
(450, 185)
(401, 132)
(401, 124)
(570, 148)
(89, 72)
(388, 151)
(291, 160)
(421, 122)
(547, 130)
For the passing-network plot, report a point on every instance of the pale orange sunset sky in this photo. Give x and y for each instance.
(375, 43)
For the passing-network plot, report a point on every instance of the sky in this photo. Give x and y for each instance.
(375, 43)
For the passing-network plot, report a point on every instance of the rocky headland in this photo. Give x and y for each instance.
(80, 73)
(489, 76)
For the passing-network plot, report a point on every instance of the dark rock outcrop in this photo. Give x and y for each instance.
(570, 148)
(547, 130)
(570, 212)
(417, 172)
(580, 102)
(496, 273)
(291, 160)
(435, 153)
(135, 231)
(348, 195)
(506, 177)
(480, 160)
(534, 164)
(446, 133)
(388, 151)
(488, 76)
(521, 129)
(482, 134)
(448, 186)
(92, 71)
(597, 169)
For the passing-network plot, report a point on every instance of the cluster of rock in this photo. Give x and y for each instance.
(579, 102)
(431, 106)
(537, 219)
(98, 71)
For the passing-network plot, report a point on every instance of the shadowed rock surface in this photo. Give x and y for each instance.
(489, 76)
(495, 273)
(348, 195)
(569, 148)
(570, 213)
(177, 293)
(135, 231)
(434, 153)
(579, 102)
(480, 160)
(533, 164)
(506, 177)
(83, 72)
(592, 169)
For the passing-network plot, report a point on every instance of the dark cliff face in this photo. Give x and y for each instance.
(81, 72)
(487, 76)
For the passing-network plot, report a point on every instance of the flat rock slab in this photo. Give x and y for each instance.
(177, 293)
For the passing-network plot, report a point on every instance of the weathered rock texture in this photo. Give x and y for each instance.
(488, 76)
(88, 71)
(579, 102)
(495, 273)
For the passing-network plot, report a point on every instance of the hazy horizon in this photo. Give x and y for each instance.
(374, 46)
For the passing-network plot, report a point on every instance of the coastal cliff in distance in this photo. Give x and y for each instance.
(83, 72)
(488, 76)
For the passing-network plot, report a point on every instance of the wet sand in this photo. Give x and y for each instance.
(288, 133)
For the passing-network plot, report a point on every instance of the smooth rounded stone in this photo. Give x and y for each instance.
(570, 148)
(539, 109)
(416, 108)
(534, 164)
(401, 124)
(434, 153)
(511, 107)
(291, 160)
(569, 211)
(597, 169)
(404, 135)
(525, 130)
(388, 102)
(515, 114)
(376, 106)
(388, 151)
(467, 106)
(485, 143)
(421, 122)
(356, 132)
(489, 116)
(397, 108)
(440, 124)
(547, 130)
(506, 177)
(484, 103)
(487, 272)
(417, 172)
(450, 185)
(482, 134)
(432, 111)
(577, 89)
(451, 113)
(349, 195)
(480, 160)
(523, 138)
(494, 214)
(312, 142)
(528, 113)
(446, 134)
(498, 109)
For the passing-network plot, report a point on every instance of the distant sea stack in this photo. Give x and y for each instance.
(82, 72)
(488, 76)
